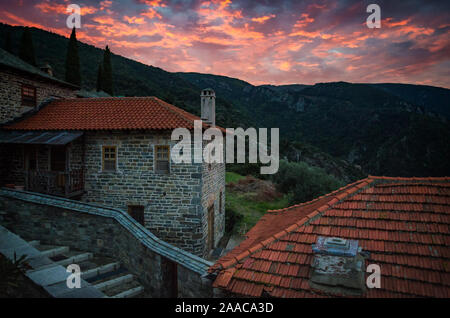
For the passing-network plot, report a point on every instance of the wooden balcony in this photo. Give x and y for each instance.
(65, 184)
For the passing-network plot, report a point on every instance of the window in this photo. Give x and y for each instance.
(162, 159)
(137, 213)
(109, 160)
(28, 95)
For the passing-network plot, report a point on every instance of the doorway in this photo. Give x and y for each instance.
(210, 228)
(137, 213)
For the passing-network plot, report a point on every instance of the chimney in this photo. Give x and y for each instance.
(46, 68)
(338, 266)
(208, 102)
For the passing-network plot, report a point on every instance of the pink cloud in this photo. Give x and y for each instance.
(324, 40)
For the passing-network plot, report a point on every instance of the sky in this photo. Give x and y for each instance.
(262, 42)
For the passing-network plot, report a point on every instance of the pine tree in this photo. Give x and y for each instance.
(8, 43)
(99, 78)
(107, 82)
(26, 51)
(73, 61)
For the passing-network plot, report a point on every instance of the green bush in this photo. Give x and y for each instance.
(232, 217)
(303, 182)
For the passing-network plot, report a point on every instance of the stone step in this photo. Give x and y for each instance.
(133, 292)
(94, 262)
(55, 251)
(125, 289)
(90, 273)
(75, 259)
(111, 283)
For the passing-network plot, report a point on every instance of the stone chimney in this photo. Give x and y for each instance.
(208, 102)
(338, 266)
(46, 68)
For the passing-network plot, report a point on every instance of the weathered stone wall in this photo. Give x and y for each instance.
(106, 232)
(11, 93)
(175, 204)
(173, 207)
(213, 188)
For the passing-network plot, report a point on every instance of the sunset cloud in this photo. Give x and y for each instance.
(276, 42)
(263, 18)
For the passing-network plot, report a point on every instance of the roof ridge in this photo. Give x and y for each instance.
(355, 187)
(106, 97)
(176, 112)
(318, 198)
(185, 114)
(410, 178)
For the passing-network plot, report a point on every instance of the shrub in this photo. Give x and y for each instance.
(303, 182)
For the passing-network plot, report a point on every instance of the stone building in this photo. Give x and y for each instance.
(116, 152)
(23, 86)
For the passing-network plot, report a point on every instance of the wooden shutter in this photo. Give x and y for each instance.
(28, 95)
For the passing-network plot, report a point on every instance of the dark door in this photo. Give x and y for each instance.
(137, 213)
(211, 228)
(58, 165)
(169, 273)
(30, 158)
(58, 159)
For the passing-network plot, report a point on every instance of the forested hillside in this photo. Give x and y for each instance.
(385, 129)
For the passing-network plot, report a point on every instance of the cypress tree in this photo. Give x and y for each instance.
(99, 78)
(73, 61)
(26, 51)
(107, 82)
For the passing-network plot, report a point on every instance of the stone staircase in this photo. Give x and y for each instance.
(103, 273)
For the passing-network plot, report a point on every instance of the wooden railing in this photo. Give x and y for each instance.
(67, 184)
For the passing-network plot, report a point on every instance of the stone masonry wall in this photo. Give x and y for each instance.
(103, 231)
(213, 188)
(11, 93)
(173, 207)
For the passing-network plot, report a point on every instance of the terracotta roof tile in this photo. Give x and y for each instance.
(403, 223)
(107, 113)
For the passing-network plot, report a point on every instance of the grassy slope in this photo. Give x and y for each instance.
(247, 210)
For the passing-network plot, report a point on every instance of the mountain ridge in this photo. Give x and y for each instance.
(384, 128)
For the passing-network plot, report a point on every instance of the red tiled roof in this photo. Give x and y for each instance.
(403, 223)
(113, 113)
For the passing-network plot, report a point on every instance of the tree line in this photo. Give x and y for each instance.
(72, 66)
